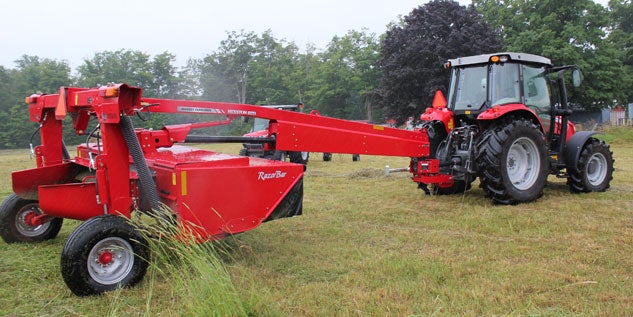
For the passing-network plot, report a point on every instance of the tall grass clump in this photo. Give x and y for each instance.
(194, 271)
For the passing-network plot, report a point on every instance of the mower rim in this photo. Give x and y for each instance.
(22, 226)
(117, 263)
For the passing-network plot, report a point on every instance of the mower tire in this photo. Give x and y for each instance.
(14, 225)
(102, 254)
(594, 168)
(512, 160)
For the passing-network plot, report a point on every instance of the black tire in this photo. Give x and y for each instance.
(512, 161)
(102, 254)
(14, 212)
(299, 157)
(595, 168)
(279, 156)
(327, 157)
(355, 157)
(243, 152)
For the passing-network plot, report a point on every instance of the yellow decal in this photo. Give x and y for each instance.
(467, 111)
(76, 99)
(183, 183)
(379, 127)
(451, 124)
(173, 179)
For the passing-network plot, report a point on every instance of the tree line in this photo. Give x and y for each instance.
(359, 75)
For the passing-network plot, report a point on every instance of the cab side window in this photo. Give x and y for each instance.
(536, 90)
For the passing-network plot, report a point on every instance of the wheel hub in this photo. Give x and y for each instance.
(26, 221)
(105, 258)
(29, 218)
(110, 261)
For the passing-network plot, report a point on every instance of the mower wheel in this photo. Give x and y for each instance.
(355, 157)
(595, 168)
(102, 254)
(15, 214)
(512, 161)
(327, 157)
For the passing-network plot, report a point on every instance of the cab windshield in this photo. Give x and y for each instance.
(474, 87)
(260, 124)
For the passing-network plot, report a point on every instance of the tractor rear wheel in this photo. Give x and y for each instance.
(512, 161)
(15, 221)
(595, 168)
(102, 254)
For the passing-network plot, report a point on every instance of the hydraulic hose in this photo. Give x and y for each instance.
(148, 192)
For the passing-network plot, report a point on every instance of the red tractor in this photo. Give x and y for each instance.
(501, 124)
(506, 122)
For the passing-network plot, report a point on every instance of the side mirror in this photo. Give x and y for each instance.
(576, 77)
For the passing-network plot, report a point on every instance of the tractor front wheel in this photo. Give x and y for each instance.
(512, 161)
(594, 168)
(17, 217)
(102, 254)
(299, 157)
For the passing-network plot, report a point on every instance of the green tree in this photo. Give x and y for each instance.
(568, 32)
(7, 88)
(122, 66)
(224, 73)
(32, 75)
(621, 39)
(346, 76)
(272, 64)
(413, 52)
(166, 81)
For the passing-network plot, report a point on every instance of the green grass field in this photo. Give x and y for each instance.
(368, 244)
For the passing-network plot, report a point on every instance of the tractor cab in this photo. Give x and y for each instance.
(260, 125)
(483, 82)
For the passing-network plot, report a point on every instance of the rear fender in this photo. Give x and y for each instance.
(497, 112)
(574, 147)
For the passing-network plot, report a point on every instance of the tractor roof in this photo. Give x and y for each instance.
(486, 58)
(285, 107)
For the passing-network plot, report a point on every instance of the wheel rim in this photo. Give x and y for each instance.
(23, 220)
(523, 164)
(596, 169)
(110, 261)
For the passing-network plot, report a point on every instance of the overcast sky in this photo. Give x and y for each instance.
(74, 30)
